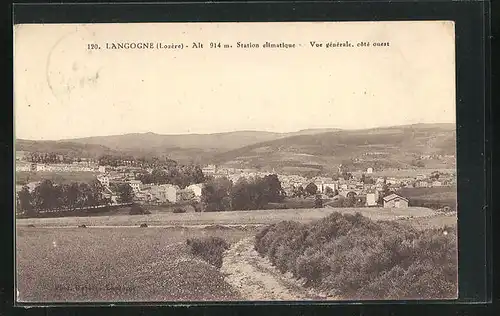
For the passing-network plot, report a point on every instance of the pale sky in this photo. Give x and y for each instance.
(63, 90)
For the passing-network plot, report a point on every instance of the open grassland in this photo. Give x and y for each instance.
(261, 217)
(118, 264)
(23, 177)
(435, 198)
(436, 221)
(406, 173)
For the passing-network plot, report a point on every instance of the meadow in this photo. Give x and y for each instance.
(405, 173)
(260, 217)
(118, 264)
(435, 198)
(24, 177)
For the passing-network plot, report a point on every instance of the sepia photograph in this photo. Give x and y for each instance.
(222, 162)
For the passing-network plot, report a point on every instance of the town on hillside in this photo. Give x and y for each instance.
(113, 181)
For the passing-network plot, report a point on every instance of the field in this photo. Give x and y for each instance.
(404, 173)
(23, 177)
(115, 259)
(261, 217)
(105, 264)
(434, 198)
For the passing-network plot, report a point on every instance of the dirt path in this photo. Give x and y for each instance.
(257, 280)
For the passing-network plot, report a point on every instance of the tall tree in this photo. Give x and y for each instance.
(215, 194)
(318, 201)
(273, 188)
(329, 192)
(125, 193)
(311, 189)
(240, 195)
(25, 200)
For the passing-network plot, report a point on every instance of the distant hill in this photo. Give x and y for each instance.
(142, 141)
(305, 150)
(63, 147)
(391, 147)
(211, 142)
(185, 148)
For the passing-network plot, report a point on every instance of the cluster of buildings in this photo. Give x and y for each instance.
(369, 191)
(152, 193)
(60, 167)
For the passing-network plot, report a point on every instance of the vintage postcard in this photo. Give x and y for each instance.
(174, 162)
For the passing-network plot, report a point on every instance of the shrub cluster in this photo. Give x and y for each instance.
(352, 256)
(136, 209)
(210, 249)
(179, 210)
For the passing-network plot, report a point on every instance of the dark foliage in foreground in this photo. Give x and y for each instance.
(210, 249)
(352, 256)
(136, 209)
(179, 210)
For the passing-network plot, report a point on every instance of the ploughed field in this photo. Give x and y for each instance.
(117, 264)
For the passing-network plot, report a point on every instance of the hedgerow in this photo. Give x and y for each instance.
(354, 257)
(211, 249)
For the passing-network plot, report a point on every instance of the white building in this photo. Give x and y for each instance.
(196, 188)
(333, 186)
(210, 170)
(40, 167)
(395, 201)
(20, 166)
(392, 181)
(136, 185)
(165, 193)
(104, 179)
(102, 169)
(369, 170)
(371, 199)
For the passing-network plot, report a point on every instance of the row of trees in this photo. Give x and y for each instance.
(312, 189)
(50, 196)
(144, 162)
(46, 158)
(114, 161)
(182, 176)
(247, 194)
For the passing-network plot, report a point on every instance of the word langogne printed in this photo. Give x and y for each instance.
(243, 45)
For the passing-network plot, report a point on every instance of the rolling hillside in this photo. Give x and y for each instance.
(306, 150)
(147, 141)
(63, 147)
(196, 148)
(393, 147)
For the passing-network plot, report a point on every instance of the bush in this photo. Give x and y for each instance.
(210, 249)
(355, 257)
(136, 209)
(179, 210)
